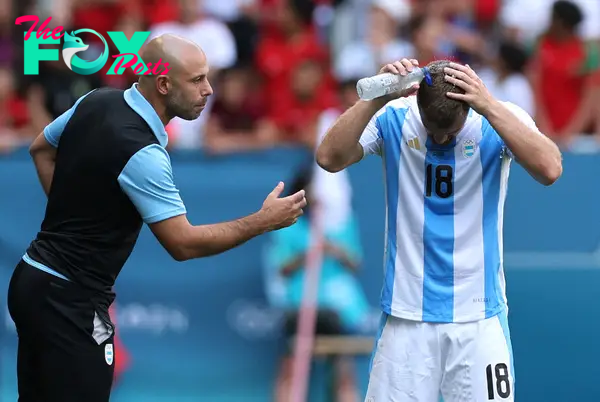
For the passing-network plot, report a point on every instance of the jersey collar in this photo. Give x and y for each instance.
(419, 132)
(141, 106)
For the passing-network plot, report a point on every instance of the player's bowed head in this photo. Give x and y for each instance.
(442, 116)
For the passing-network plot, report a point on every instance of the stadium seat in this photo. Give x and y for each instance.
(340, 345)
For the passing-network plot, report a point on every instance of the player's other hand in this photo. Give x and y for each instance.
(402, 67)
(476, 94)
(280, 212)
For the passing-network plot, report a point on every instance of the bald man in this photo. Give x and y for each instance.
(105, 170)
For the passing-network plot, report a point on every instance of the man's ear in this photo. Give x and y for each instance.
(163, 84)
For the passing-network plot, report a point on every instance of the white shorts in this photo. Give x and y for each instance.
(419, 362)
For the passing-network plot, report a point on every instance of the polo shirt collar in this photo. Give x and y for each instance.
(141, 106)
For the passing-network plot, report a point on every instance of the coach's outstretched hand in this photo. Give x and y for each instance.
(402, 67)
(282, 212)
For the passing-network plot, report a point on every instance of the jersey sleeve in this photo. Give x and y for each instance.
(54, 130)
(524, 117)
(147, 179)
(371, 139)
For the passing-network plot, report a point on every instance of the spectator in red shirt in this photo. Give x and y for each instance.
(99, 15)
(486, 11)
(157, 11)
(564, 64)
(278, 55)
(296, 113)
(237, 119)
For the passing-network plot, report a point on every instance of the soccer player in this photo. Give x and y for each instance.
(104, 167)
(446, 154)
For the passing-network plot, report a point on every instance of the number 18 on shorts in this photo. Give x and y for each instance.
(463, 362)
(498, 381)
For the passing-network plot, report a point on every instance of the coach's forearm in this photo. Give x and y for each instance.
(207, 240)
(538, 154)
(340, 145)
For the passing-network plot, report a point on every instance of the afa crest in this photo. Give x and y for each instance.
(468, 148)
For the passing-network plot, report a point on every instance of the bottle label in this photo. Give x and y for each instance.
(387, 81)
(392, 88)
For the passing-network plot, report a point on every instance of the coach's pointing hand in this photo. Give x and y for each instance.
(282, 212)
(402, 67)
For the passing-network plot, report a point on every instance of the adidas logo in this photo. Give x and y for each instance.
(414, 143)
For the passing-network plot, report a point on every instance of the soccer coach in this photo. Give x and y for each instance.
(104, 167)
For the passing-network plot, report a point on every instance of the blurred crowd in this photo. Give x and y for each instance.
(283, 69)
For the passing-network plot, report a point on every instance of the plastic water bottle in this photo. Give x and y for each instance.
(382, 84)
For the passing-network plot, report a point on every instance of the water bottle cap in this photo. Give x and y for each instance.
(427, 77)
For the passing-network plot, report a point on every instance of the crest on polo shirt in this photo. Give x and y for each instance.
(109, 353)
(468, 148)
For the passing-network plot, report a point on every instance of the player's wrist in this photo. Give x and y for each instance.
(492, 109)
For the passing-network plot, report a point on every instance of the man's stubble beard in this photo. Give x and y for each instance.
(176, 108)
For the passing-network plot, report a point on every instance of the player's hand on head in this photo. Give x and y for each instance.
(401, 67)
(280, 212)
(476, 94)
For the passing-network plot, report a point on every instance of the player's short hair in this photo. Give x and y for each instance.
(568, 13)
(434, 104)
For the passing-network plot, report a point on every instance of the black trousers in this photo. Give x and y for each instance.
(59, 359)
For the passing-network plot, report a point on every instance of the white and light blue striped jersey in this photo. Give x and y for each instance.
(443, 243)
